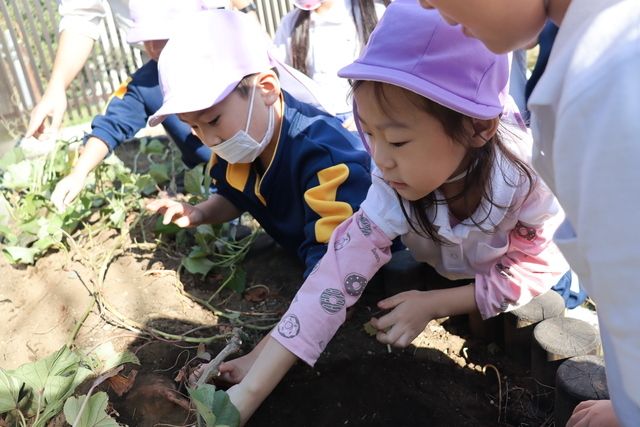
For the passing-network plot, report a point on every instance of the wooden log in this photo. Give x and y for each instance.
(518, 324)
(578, 379)
(557, 339)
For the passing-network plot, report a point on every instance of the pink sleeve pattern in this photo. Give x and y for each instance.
(356, 251)
(532, 264)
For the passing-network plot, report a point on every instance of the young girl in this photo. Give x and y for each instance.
(584, 118)
(453, 181)
(308, 36)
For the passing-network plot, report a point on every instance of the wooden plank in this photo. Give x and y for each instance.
(7, 51)
(29, 41)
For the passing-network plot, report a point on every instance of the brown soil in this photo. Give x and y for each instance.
(357, 382)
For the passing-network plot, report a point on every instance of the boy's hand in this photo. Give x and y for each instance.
(593, 413)
(181, 214)
(67, 190)
(411, 312)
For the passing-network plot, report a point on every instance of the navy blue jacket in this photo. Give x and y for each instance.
(315, 180)
(129, 109)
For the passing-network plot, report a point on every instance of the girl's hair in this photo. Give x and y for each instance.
(481, 162)
(365, 23)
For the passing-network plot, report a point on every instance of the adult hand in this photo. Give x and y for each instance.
(67, 190)
(593, 413)
(181, 214)
(52, 105)
(411, 313)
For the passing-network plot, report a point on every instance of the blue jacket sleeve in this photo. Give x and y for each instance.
(333, 191)
(125, 113)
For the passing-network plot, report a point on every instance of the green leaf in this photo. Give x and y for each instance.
(197, 265)
(117, 216)
(45, 243)
(226, 413)
(159, 172)
(155, 146)
(94, 413)
(9, 391)
(198, 252)
(161, 228)
(202, 397)
(7, 233)
(18, 176)
(238, 281)
(214, 406)
(193, 180)
(11, 157)
(206, 229)
(53, 378)
(145, 184)
(5, 210)
(20, 254)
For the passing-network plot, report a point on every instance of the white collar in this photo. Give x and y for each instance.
(487, 214)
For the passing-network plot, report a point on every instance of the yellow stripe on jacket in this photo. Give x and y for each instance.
(322, 200)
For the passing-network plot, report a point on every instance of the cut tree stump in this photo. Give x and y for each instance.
(578, 379)
(518, 324)
(557, 339)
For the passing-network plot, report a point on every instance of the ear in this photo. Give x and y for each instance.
(269, 87)
(483, 131)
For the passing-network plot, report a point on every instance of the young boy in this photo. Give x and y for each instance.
(289, 164)
(135, 100)
(585, 125)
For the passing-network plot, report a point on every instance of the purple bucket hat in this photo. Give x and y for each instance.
(414, 48)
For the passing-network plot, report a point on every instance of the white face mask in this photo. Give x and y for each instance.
(241, 147)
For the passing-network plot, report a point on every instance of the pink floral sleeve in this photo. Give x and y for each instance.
(532, 264)
(356, 251)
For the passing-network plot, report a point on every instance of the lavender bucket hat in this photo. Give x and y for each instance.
(414, 48)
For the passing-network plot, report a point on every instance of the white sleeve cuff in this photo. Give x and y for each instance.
(382, 206)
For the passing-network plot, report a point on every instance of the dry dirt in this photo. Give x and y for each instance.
(356, 382)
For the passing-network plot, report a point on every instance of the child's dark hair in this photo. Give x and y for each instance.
(365, 23)
(481, 162)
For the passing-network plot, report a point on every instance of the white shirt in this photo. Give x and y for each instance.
(85, 16)
(586, 124)
(476, 253)
(333, 44)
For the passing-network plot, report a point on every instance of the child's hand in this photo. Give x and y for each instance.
(593, 413)
(234, 370)
(411, 313)
(181, 214)
(67, 190)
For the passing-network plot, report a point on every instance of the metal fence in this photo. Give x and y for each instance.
(28, 41)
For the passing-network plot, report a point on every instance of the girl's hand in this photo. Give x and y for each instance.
(181, 214)
(411, 312)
